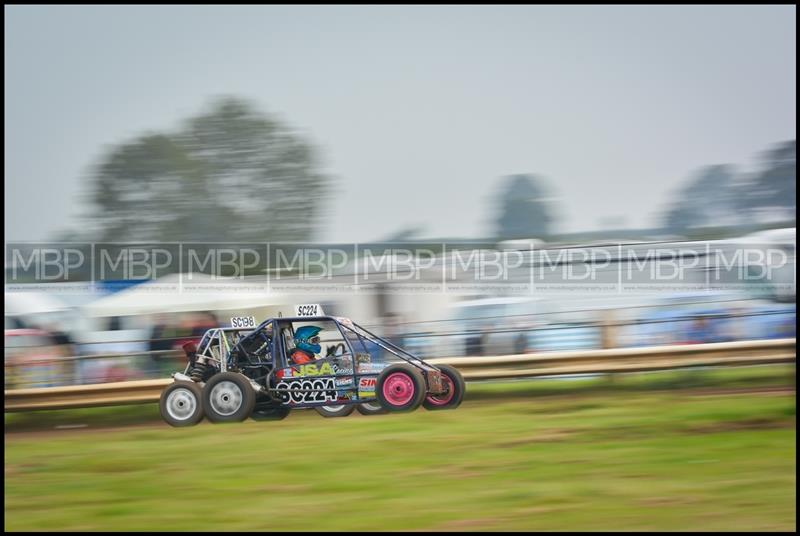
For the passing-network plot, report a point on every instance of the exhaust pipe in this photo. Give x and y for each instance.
(180, 377)
(257, 387)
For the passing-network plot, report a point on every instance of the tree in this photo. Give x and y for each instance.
(774, 188)
(717, 197)
(707, 200)
(524, 208)
(229, 174)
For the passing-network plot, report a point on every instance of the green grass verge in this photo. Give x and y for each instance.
(740, 377)
(620, 458)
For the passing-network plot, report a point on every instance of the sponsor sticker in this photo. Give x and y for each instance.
(371, 367)
(312, 369)
(366, 387)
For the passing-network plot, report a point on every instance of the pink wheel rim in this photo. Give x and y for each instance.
(441, 400)
(398, 389)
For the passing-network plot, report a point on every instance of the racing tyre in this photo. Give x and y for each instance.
(370, 408)
(275, 413)
(228, 397)
(455, 392)
(335, 411)
(400, 388)
(181, 404)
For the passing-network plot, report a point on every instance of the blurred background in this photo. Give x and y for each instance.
(639, 138)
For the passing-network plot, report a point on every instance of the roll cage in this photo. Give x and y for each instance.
(232, 340)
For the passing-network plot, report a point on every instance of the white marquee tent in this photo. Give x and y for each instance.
(176, 293)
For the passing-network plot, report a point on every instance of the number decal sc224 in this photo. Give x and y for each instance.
(308, 309)
(308, 391)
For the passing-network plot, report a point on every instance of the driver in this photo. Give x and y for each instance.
(306, 342)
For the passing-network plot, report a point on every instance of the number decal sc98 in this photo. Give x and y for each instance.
(243, 322)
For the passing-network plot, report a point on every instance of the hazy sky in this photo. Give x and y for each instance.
(419, 111)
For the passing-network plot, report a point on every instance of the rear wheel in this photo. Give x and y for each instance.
(228, 397)
(335, 411)
(181, 404)
(451, 399)
(400, 388)
(270, 413)
(370, 408)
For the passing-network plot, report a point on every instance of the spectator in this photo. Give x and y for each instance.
(521, 343)
(699, 331)
(61, 338)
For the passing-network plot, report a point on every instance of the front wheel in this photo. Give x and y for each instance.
(400, 388)
(452, 398)
(228, 397)
(335, 411)
(181, 404)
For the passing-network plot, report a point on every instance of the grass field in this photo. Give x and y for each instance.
(517, 456)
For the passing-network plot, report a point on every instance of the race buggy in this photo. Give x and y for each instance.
(256, 371)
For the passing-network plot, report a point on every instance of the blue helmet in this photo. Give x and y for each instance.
(306, 339)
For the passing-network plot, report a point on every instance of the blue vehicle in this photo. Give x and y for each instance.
(773, 321)
(566, 336)
(698, 323)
